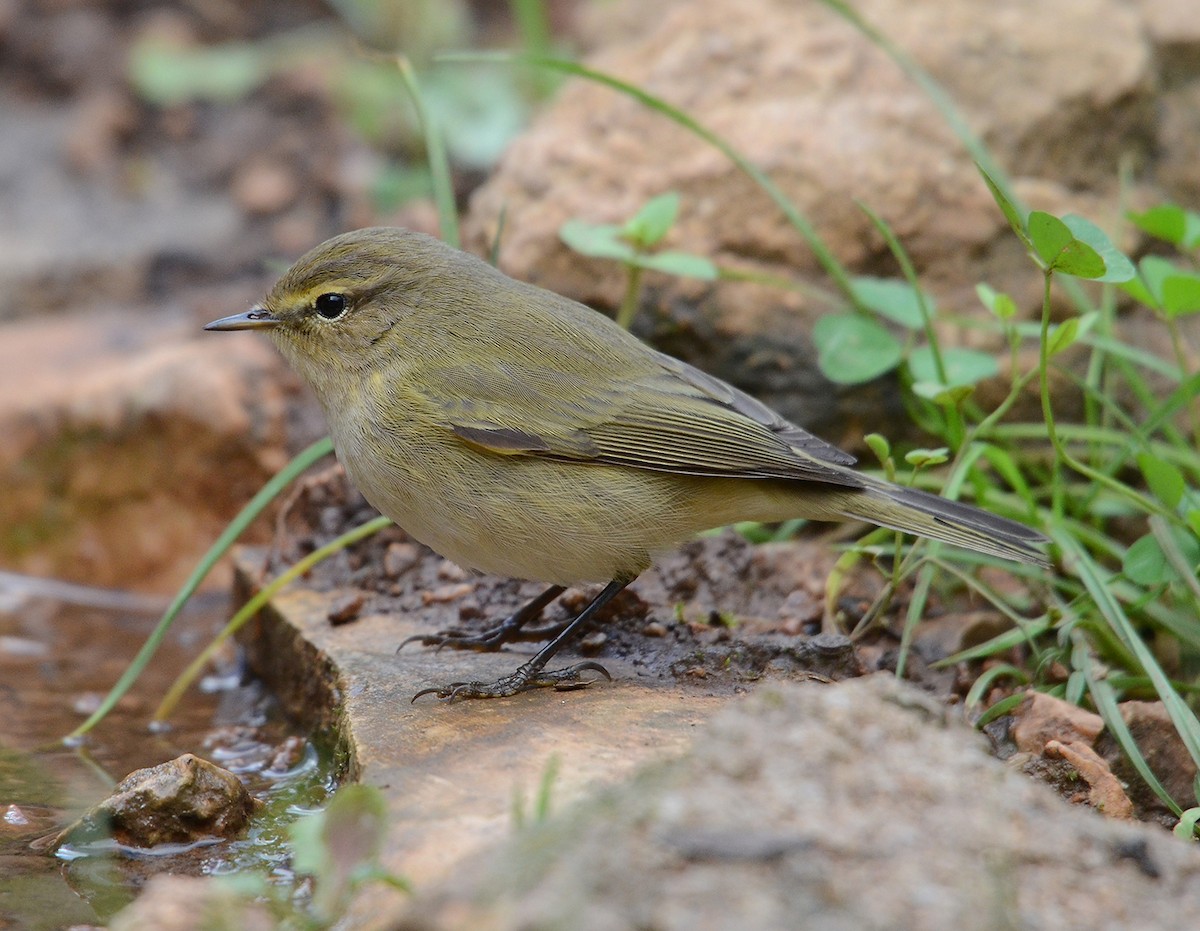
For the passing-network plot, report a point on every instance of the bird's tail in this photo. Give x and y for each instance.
(938, 518)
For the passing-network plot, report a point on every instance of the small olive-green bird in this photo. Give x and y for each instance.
(520, 433)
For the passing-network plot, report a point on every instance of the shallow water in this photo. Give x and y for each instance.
(61, 649)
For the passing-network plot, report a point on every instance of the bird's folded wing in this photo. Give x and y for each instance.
(669, 418)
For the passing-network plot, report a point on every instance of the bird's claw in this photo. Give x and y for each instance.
(485, 642)
(520, 681)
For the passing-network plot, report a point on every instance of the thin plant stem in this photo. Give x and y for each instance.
(244, 518)
(633, 293)
(185, 679)
(435, 150)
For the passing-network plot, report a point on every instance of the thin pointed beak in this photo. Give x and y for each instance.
(254, 319)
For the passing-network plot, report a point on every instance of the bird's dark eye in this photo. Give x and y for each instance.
(331, 306)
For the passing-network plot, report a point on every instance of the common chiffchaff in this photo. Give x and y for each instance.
(517, 432)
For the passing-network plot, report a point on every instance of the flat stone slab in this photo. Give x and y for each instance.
(679, 803)
(452, 772)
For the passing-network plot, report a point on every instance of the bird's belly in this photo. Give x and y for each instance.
(556, 522)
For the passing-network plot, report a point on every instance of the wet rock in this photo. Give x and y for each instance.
(811, 101)
(188, 903)
(771, 820)
(178, 802)
(123, 473)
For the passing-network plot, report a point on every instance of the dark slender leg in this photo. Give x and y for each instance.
(531, 675)
(508, 630)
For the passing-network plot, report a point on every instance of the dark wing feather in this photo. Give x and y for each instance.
(665, 416)
(726, 395)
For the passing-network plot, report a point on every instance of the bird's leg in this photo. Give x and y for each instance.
(531, 674)
(508, 630)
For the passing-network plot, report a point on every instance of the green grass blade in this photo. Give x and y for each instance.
(1025, 635)
(255, 604)
(1105, 700)
(244, 518)
(933, 90)
(435, 150)
(1098, 583)
(954, 119)
(981, 686)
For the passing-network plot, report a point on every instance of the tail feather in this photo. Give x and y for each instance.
(927, 515)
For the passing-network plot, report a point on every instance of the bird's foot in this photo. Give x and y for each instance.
(484, 641)
(522, 680)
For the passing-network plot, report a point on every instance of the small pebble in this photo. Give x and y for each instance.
(346, 609)
(800, 606)
(287, 754)
(264, 187)
(470, 610)
(451, 572)
(593, 643)
(446, 593)
(400, 557)
(654, 629)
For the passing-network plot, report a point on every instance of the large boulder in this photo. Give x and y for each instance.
(1060, 93)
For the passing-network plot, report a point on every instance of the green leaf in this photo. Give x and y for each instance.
(1146, 564)
(340, 844)
(1163, 285)
(921, 458)
(1060, 250)
(892, 298)
(1171, 223)
(166, 74)
(1050, 236)
(1181, 294)
(355, 822)
(1081, 260)
(1155, 270)
(997, 302)
(1163, 478)
(940, 394)
(1007, 207)
(1137, 289)
(879, 445)
(1186, 828)
(597, 240)
(682, 264)
(1065, 334)
(962, 366)
(1117, 267)
(650, 224)
(478, 116)
(852, 349)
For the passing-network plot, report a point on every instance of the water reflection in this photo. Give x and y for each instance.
(61, 648)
